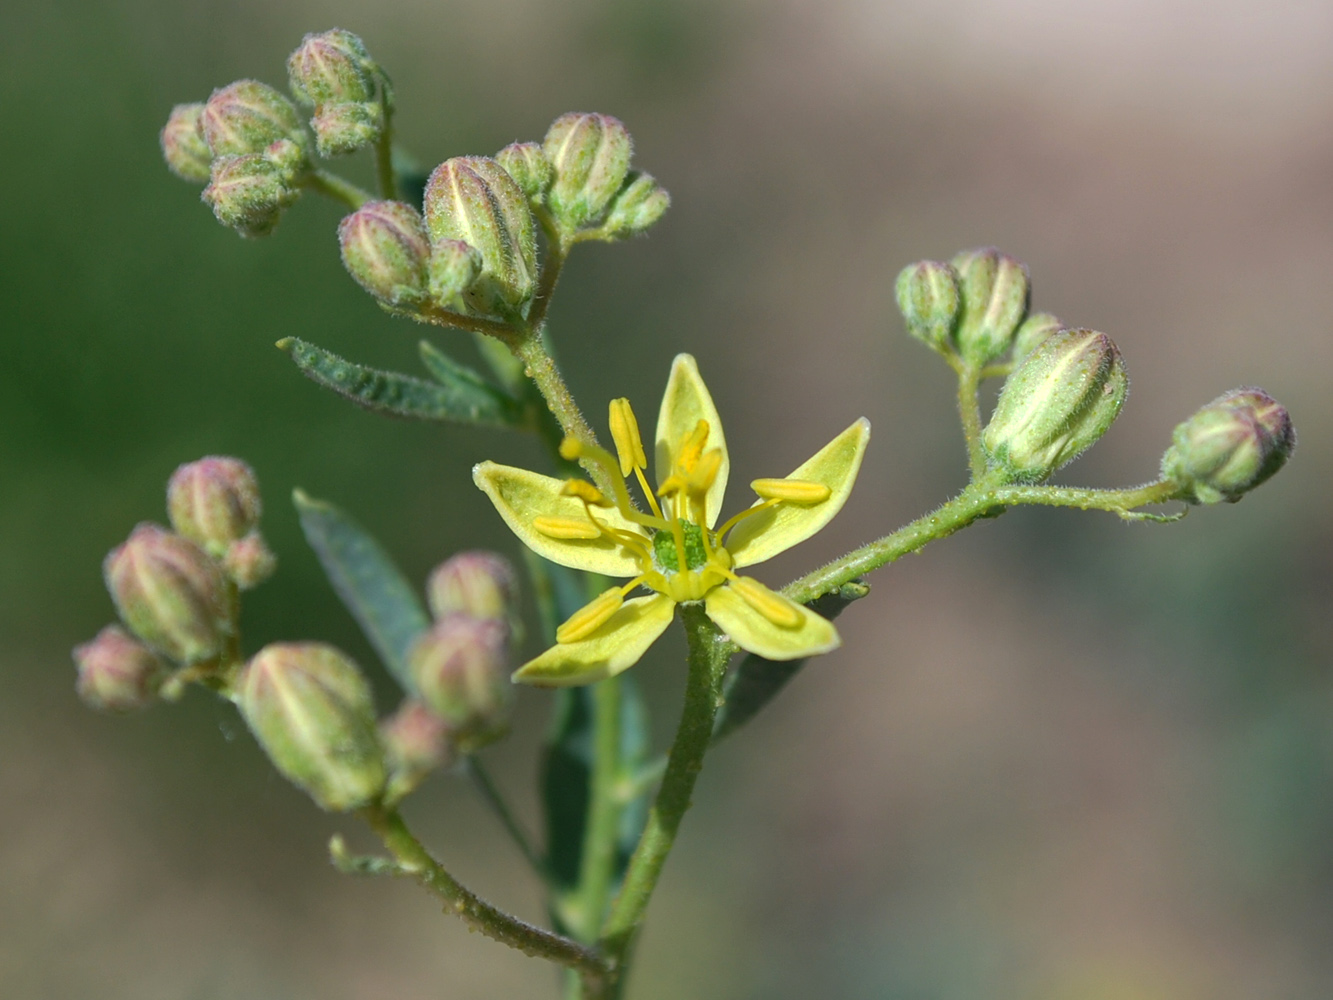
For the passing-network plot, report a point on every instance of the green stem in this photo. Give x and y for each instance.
(333, 186)
(384, 172)
(439, 316)
(480, 915)
(491, 794)
(539, 366)
(556, 255)
(969, 412)
(707, 662)
(600, 841)
(1117, 501)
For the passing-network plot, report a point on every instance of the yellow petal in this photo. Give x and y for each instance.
(764, 535)
(686, 402)
(522, 497)
(617, 645)
(755, 631)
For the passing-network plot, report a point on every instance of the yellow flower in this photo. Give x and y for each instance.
(673, 548)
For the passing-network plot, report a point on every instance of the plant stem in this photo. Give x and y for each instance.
(491, 794)
(333, 186)
(1116, 501)
(384, 173)
(480, 915)
(604, 806)
(539, 366)
(969, 412)
(477, 324)
(556, 255)
(707, 662)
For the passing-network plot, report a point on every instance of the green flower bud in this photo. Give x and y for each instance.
(384, 247)
(1058, 402)
(453, 268)
(183, 147)
(331, 66)
(1034, 331)
(928, 299)
(249, 561)
(345, 126)
(473, 199)
(461, 670)
(993, 290)
(246, 116)
(118, 673)
(529, 167)
(249, 193)
(640, 203)
(415, 744)
(312, 712)
(590, 154)
(170, 594)
(1229, 447)
(213, 502)
(480, 584)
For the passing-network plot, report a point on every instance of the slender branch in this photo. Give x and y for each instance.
(384, 172)
(556, 255)
(539, 366)
(597, 864)
(969, 412)
(491, 794)
(440, 316)
(333, 186)
(1116, 501)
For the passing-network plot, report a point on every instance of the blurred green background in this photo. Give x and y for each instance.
(1058, 758)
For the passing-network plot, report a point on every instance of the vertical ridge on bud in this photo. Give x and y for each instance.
(640, 202)
(478, 583)
(993, 289)
(330, 66)
(453, 269)
(928, 299)
(117, 673)
(590, 155)
(214, 501)
(1229, 447)
(461, 671)
(529, 167)
(415, 744)
(385, 248)
(249, 192)
(245, 117)
(183, 147)
(1034, 332)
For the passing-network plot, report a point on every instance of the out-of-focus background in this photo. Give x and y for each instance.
(1058, 758)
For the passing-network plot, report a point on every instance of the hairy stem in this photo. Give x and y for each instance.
(598, 861)
(333, 186)
(969, 412)
(541, 368)
(384, 172)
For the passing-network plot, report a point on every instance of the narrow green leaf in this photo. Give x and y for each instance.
(756, 681)
(635, 747)
(375, 591)
(469, 401)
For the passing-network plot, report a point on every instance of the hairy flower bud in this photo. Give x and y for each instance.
(1058, 402)
(1229, 446)
(312, 712)
(249, 193)
(993, 291)
(639, 204)
(480, 584)
(590, 154)
(384, 247)
(184, 149)
(415, 744)
(452, 270)
(247, 116)
(214, 501)
(529, 167)
(117, 673)
(343, 127)
(1034, 331)
(331, 66)
(474, 199)
(170, 594)
(249, 561)
(929, 301)
(461, 670)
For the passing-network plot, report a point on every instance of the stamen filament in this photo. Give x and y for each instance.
(738, 518)
(572, 448)
(648, 494)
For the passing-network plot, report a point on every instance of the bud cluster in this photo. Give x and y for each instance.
(333, 73)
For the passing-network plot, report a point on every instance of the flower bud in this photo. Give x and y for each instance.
(331, 66)
(1034, 331)
(384, 247)
(472, 198)
(453, 268)
(184, 149)
(993, 291)
(529, 167)
(590, 154)
(415, 744)
(1229, 447)
(249, 193)
(479, 584)
(461, 670)
(117, 673)
(343, 127)
(312, 712)
(213, 502)
(640, 203)
(928, 299)
(246, 116)
(1058, 402)
(170, 594)
(249, 561)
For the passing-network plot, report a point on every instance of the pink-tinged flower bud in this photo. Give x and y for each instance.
(214, 501)
(1056, 405)
(331, 66)
(453, 269)
(183, 147)
(928, 298)
(170, 594)
(384, 247)
(1229, 447)
(590, 154)
(312, 712)
(247, 116)
(639, 204)
(117, 673)
(1034, 332)
(249, 193)
(473, 199)
(529, 167)
(480, 584)
(249, 561)
(415, 744)
(993, 291)
(343, 127)
(461, 668)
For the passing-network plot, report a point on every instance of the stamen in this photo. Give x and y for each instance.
(584, 491)
(625, 433)
(773, 607)
(592, 616)
(572, 448)
(705, 472)
(747, 512)
(692, 448)
(648, 494)
(793, 490)
(567, 528)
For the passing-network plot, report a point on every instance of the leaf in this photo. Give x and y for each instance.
(756, 681)
(462, 399)
(374, 590)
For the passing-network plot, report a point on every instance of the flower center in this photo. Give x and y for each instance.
(666, 554)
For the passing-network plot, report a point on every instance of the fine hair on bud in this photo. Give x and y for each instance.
(640, 202)
(183, 145)
(478, 583)
(928, 299)
(1229, 447)
(385, 248)
(246, 116)
(117, 673)
(590, 154)
(1034, 332)
(249, 193)
(416, 743)
(461, 669)
(529, 167)
(993, 290)
(331, 66)
(343, 127)
(214, 501)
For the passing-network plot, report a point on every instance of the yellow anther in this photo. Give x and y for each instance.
(692, 448)
(584, 491)
(705, 471)
(672, 486)
(571, 448)
(565, 527)
(592, 616)
(625, 433)
(772, 606)
(795, 490)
